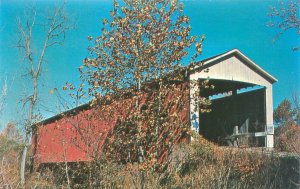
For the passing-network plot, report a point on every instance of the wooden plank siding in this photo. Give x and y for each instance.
(74, 137)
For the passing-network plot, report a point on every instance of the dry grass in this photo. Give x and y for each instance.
(9, 177)
(200, 164)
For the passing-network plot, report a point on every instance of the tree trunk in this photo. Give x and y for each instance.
(158, 120)
(66, 166)
(23, 162)
(138, 106)
(28, 130)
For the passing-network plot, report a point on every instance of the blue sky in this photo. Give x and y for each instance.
(227, 24)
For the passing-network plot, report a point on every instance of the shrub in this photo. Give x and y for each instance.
(287, 139)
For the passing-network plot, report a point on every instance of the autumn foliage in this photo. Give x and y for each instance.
(287, 132)
(136, 63)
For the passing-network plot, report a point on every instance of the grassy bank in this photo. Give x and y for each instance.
(200, 164)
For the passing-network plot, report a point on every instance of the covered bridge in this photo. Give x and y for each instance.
(241, 111)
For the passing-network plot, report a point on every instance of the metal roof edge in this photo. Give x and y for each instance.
(62, 114)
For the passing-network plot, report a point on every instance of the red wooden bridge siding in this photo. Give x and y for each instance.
(79, 137)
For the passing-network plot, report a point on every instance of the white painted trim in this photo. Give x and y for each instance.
(194, 109)
(269, 141)
(260, 134)
(248, 60)
(255, 65)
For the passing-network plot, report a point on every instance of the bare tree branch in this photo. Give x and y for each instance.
(284, 17)
(56, 27)
(3, 94)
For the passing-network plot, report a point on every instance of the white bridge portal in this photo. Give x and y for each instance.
(241, 98)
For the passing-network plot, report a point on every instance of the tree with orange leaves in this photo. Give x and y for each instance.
(137, 61)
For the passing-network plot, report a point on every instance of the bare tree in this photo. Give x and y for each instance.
(284, 17)
(296, 103)
(3, 94)
(55, 25)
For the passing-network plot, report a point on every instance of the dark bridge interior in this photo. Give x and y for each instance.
(233, 107)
